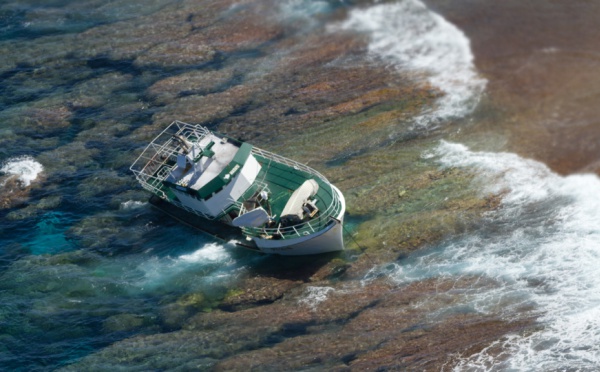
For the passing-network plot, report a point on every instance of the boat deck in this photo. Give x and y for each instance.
(282, 180)
(206, 168)
(158, 170)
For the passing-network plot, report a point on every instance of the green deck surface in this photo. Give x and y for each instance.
(283, 180)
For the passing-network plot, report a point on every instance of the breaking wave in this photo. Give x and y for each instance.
(25, 168)
(410, 37)
(212, 252)
(211, 263)
(542, 247)
(131, 205)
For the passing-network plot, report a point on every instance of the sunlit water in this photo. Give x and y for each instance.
(63, 299)
(541, 246)
(410, 37)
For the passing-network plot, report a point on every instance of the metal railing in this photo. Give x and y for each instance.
(289, 162)
(158, 159)
(257, 187)
(306, 227)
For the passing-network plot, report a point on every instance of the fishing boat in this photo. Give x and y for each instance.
(274, 204)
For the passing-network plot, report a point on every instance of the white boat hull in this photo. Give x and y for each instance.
(330, 239)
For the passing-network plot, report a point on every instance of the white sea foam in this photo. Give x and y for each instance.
(542, 247)
(132, 204)
(315, 295)
(211, 262)
(410, 37)
(24, 167)
(212, 252)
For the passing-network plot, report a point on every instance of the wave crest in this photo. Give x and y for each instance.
(26, 168)
(409, 36)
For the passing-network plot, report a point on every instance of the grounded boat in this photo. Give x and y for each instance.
(279, 205)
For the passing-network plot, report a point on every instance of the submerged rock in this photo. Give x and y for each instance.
(124, 41)
(175, 54)
(47, 118)
(357, 326)
(97, 91)
(111, 232)
(205, 109)
(35, 209)
(167, 90)
(68, 159)
(123, 323)
(393, 331)
(102, 183)
(12, 192)
(176, 313)
(180, 350)
(36, 52)
(257, 291)
(242, 27)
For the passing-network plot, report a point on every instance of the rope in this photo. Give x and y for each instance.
(364, 250)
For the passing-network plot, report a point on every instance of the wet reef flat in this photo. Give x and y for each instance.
(355, 327)
(377, 96)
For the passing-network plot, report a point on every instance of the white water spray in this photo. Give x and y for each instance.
(211, 252)
(410, 37)
(208, 264)
(315, 295)
(131, 205)
(25, 168)
(542, 247)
